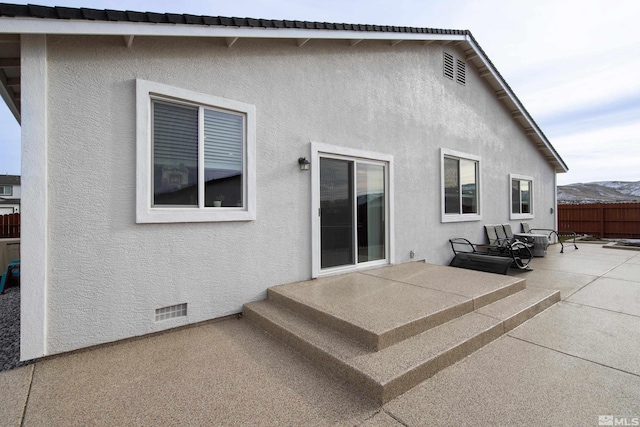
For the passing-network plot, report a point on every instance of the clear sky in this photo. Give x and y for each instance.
(574, 64)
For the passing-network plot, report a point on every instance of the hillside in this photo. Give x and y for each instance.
(599, 192)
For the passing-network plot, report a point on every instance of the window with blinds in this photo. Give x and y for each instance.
(195, 156)
(178, 169)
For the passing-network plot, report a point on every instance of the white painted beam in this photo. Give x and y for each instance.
(34, 199)
(128, 40)
(230, 41)
(302, 42)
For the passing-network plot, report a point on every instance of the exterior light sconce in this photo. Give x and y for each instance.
(304, 163)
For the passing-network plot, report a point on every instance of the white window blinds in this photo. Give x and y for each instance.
(175, 134)
(223, 140)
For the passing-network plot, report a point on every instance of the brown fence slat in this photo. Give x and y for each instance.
(10, 225)
(606, 220)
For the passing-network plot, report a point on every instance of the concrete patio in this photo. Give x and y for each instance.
(572, 363)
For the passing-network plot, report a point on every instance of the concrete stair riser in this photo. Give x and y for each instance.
(431, 367)
(368, 339)
(498, 294)
(325, 359)
(530, 312)
(383, 365)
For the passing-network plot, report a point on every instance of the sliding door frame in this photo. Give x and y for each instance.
(319, 150)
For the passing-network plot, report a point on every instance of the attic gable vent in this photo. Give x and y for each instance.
(448, 65)
(461, 72)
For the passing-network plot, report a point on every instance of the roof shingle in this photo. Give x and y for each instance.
(46, 12)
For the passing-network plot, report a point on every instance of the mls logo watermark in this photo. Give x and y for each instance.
(610, 420)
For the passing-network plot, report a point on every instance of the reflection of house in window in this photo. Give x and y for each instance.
(176, 177)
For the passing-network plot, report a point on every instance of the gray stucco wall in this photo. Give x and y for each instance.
(108, 274)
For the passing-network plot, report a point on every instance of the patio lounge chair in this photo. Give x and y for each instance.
(500, 244)
(12, 274)
(501, 234)
(490, 258)
(528, 230)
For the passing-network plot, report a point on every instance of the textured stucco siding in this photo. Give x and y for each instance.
(108, 274)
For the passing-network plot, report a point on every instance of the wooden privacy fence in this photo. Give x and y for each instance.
(605, 220)
(10, 225)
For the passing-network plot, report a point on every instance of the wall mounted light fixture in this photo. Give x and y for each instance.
(304, 163)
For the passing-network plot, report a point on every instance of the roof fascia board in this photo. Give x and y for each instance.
(59, 26)
(517, 103)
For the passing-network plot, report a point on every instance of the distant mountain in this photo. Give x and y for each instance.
(599, 192)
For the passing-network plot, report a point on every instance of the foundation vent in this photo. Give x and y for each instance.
(448, 65)
(461, 72)
(164, 313)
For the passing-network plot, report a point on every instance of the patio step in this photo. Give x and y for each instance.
(396, 303)
(387, 373)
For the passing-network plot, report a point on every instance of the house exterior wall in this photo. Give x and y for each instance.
(16, 192)
(11, 204)
(107, 274)
(9, 208)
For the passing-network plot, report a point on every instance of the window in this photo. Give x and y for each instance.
(521, 196)
(460, 176)
(195, 156)
(6, 190)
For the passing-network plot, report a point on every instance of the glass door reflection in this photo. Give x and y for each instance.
(336, 212)
(353, 209)
(371, 212)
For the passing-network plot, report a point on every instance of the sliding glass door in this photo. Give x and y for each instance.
(353, 211)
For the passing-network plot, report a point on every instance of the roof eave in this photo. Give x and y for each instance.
(14, 25)
(506, 94)
(21, 25)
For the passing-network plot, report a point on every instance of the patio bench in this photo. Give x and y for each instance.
(526, 229)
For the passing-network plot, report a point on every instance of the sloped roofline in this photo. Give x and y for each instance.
(32, 19)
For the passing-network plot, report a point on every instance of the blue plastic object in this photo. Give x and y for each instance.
(12, 271)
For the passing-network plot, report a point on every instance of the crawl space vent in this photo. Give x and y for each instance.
(164, 313)
(448, 65)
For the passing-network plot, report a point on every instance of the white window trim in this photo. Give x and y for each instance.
(531, 191)
(145, 212)
(444, 152)
(320, 149)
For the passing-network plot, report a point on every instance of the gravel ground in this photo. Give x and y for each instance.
(10, 329)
